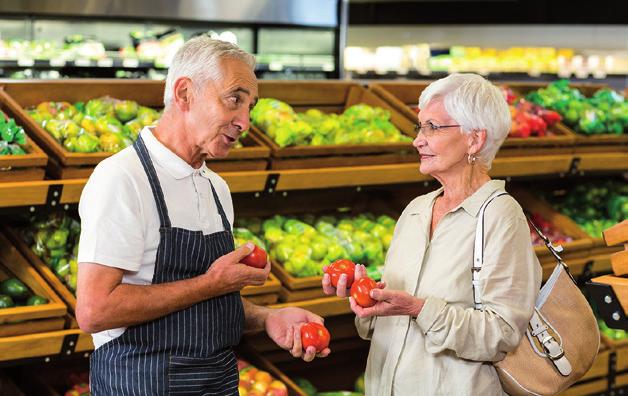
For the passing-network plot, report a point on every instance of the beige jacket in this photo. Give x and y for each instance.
(447, 350)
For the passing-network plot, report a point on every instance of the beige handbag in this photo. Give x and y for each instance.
(562, 338)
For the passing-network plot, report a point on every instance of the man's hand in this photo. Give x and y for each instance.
(229, 275)
(283, 326)
(342, 290)
(389, 303)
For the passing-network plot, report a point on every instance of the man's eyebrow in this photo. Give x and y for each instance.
(240, 89)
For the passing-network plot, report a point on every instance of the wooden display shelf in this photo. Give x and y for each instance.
(266, 294)
(581, 244)
(531, 165)
(603, 161)
(28, 319)
(402, 96)
(35, 192)
(326, 306)
(303, 179)
(333, 97)
(20, 95)
(25, 167)
(66, 295)
(42, 345)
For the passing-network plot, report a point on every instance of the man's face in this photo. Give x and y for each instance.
(219, 111)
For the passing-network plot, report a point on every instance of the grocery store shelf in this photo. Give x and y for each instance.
(603, 161)
(24, 193)
(531, 165)
(302, 179)
(35, 193)
(44, 345)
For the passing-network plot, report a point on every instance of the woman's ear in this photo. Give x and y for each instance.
(476, 140)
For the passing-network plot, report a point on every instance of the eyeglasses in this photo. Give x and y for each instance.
(429, 128)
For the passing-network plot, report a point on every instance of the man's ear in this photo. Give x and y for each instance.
(182, 93)
(476, 140)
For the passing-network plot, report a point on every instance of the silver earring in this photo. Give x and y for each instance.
(471, 159)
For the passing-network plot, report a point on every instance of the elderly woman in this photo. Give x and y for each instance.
(426, 337)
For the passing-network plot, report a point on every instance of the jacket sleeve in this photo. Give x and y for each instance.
(509, 282)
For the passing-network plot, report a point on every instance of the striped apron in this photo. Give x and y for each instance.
(188, 352)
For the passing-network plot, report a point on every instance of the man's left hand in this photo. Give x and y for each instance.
(284, 327)
(389, 303)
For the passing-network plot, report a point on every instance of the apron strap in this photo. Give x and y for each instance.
(153, 180)
(225, 223)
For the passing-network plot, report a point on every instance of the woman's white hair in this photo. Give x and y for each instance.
(475, 104)
(199, 59)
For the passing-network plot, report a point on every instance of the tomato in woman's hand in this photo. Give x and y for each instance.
(360, 291)
(257, 258)
(340, 267)
(316, 335)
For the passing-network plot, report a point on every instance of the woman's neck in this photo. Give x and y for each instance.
(460, 185)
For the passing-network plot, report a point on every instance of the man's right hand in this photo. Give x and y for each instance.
(227, 274)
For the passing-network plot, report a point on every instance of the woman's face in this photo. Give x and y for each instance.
(441, 150)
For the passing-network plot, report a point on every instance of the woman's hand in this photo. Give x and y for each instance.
(342, 290)
(389, 303)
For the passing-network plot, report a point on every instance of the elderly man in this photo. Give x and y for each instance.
(159, 279)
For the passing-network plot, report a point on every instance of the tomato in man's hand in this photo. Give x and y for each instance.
(316, 335)
(340, 267)
(257, 258)
(360, 291)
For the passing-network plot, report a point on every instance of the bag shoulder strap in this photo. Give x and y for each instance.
(478, 251)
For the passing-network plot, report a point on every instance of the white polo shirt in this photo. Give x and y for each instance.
(119, 219)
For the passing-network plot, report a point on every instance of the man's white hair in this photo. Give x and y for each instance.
(474, 103)
(199, 59)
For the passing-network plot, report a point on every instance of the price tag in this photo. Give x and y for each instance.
(24, 62)
(130, 63)
(57, 62)
(106, 62)
(82, 62)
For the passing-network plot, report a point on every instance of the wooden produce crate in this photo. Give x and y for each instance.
(27, 167)
(333, 97)
(404, 97)
(607, 142)
(247, 352)
(579, 247)
(28, 319)
(68, 165)
(266, 294)
(297, 289)
(64, 292)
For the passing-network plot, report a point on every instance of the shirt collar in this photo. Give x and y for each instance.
(471, 204)
(172, 163)
(474, 202)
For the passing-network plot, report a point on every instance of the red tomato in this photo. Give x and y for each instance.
(316, 335)
(360, 292)
(257, 258)
(340, 267)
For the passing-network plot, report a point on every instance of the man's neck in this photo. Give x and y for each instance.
(173, 135)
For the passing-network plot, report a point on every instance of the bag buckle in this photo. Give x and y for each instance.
(559, 353)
